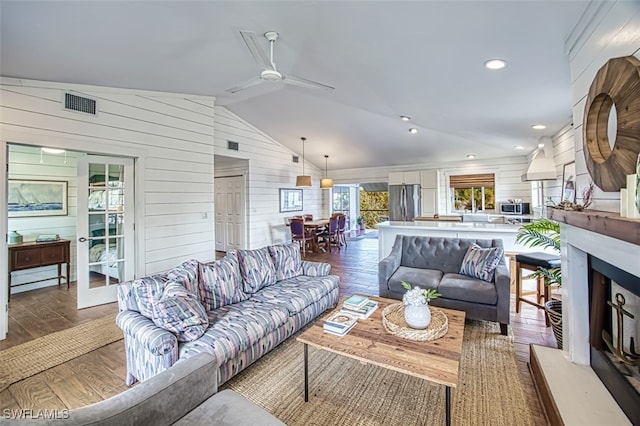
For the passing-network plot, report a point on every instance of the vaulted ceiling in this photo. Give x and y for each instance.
(422, 59)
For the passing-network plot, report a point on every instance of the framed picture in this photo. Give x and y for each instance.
(290, 200)
(32, 198)
(569, 182)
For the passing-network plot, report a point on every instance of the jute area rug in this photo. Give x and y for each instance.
(343, 391)
(33, 357)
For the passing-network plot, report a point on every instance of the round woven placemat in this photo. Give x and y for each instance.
(393, 321)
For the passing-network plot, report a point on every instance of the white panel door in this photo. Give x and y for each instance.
(219, 213)
(229, 212)
(105, 227)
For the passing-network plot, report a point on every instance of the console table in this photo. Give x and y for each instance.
(34, 255)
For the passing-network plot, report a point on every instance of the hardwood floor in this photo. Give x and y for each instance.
(101, 373)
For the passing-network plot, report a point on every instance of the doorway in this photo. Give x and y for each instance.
(229, 212)
(26, 162)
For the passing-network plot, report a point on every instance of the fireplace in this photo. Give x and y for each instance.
(614, 318)
(599, 252)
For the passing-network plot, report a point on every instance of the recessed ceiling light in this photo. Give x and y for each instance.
(495, 64)
(539, 126)
(518, 147)
(413, 130)
(405, 118)
(470, 156)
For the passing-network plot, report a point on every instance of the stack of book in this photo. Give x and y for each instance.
(339, 324)
(359, 306)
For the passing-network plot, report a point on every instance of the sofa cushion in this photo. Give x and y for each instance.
(234, 328)
(221, 282)
(257, 269)
(481, 262)
(180, 312)
(463, 287)
(286, 258)
(425, 278)
(296, 293)
(147, 291)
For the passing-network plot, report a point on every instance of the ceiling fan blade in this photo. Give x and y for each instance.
(259, 55)
(303, 82)
(249, 83)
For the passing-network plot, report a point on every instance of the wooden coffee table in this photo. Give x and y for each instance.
(369, 342)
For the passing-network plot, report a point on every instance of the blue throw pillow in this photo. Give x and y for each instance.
(481, 262)
(180, 312)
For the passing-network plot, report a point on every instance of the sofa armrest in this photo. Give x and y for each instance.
(155, 339)
(152, 402)
(388, 265)
(315, 269)
(502, 281)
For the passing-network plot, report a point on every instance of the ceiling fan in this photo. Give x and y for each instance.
(269, 70)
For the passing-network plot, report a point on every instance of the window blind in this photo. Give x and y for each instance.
(468, 181)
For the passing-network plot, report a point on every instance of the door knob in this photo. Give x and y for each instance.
(82, 239)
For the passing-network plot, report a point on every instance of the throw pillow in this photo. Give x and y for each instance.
(481, 262)
(287, 260)
(147, 291)
(221, 282)
(257, 269)
(186, 274)
(180, 312)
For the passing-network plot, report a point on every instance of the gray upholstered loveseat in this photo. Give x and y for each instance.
(434, 262)
(185, 395)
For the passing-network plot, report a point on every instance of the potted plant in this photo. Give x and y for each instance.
(416, 305)
(361, 223)
(545, 233)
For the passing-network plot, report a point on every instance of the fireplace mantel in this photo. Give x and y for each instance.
(601, 222)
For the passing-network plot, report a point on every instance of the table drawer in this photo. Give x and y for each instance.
(26, 258)
(52, 255)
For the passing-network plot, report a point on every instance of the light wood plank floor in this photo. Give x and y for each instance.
(100, 374)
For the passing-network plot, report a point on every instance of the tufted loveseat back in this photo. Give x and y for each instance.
(442, 253)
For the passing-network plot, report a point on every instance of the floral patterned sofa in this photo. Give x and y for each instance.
(237, 308)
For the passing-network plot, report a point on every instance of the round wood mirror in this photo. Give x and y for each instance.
(611, 154)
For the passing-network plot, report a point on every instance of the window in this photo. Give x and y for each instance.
(340, 200)
(374, 207)
(472, 192)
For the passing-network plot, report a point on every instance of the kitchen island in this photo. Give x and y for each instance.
(388, 230)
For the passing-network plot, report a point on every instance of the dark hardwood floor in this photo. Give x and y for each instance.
(100, 374)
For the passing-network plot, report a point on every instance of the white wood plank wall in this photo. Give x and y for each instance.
(270, 167)
(170, 135)
(608, 30)
(24, 164)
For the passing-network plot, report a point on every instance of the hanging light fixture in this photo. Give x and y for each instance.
(326, 182)
(304, 180)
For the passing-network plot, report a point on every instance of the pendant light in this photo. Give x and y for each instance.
(326, 182)
(304, 180)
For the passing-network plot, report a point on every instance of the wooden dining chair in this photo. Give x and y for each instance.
(342, 224)
(330, 235)
(307, 217)
(299, 234)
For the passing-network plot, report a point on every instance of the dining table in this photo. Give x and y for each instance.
(314, 227)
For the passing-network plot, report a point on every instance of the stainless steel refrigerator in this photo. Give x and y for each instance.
(404, 202)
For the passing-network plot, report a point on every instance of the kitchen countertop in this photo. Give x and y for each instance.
(453, 226)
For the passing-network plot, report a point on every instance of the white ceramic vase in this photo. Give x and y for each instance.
(417, 316)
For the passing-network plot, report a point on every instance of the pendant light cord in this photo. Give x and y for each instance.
(303, 139)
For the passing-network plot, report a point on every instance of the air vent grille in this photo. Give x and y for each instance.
(80, 104)
(296, 159)
(234, 146)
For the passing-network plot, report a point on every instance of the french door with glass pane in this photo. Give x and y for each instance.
(105, 227)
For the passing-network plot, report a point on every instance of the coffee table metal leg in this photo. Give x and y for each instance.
(306, 373)
(447, 397)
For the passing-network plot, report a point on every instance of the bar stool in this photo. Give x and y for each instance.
(531, 262)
